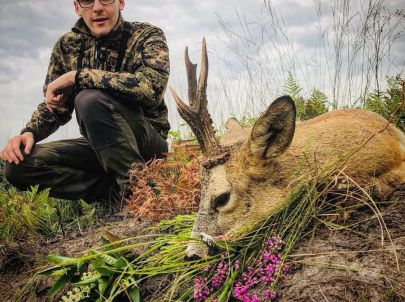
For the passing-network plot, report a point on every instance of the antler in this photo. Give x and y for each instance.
(196, 115)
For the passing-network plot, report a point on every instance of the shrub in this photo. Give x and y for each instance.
(306, 108)
(389, 103)
(4, 184)
(165, 188)
(32, 214)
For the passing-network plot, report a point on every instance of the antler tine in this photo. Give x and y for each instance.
(183, 109)
(202, 81)
(191, 78)
(196, 115)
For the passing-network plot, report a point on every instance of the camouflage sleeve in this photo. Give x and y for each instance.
(44, 122)
(146, 84)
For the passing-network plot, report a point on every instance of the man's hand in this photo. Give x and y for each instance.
(12, 152)
(60, 90)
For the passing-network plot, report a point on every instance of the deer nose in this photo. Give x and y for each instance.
(191, 257)
(191, 253)
(196, 251)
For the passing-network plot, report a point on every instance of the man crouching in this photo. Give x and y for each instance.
(113, 74)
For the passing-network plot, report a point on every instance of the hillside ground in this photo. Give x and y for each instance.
(327, 265)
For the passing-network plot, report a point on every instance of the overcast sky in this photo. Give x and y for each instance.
(29, 28)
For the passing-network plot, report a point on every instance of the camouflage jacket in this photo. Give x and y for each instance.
(131, 63)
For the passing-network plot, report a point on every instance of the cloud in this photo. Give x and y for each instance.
(29, 29)
(27, 26)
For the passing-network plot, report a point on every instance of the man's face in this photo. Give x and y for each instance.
(99, 18)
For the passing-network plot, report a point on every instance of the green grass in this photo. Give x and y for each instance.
(33, 214)
(162, 250)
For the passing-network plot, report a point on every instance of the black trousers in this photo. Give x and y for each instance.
(95, 166)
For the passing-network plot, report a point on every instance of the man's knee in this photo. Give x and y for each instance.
(14, 174)
(88, 101)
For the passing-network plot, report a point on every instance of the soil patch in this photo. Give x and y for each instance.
(351, 265)
(328, 265)
(24, 260)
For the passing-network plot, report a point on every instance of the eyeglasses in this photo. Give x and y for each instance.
(90, 3)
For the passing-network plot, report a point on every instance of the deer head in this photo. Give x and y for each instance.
(235, 172)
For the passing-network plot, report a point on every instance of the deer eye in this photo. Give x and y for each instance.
(221, 200)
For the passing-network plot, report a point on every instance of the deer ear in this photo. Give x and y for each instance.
(274, 130)
(234, 132)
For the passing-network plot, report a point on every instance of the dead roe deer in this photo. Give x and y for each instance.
(247, 175)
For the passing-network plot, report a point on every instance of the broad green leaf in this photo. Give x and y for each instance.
(60, 259)
(121, 263)
(93, 279)
(107, 244)
(80, 264)
(62, 281)
(95, 261)
(108, 259)
(105, 270)
(60, 272)
(102, 286)
(50, 270)
(134, 293)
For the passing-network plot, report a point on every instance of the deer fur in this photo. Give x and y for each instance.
(263, 163)
(258, 177)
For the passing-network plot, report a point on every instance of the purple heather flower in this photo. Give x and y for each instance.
(221, 272)
(255, 299)
(245, 298)
(268, 268)
(270, 294)
(201, 291)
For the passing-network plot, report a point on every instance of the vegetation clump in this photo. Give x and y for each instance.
(165, 188)
(389, 103)
(33, 214)
(31, 217)
(266, 270)
(315, 105)
(95, 276)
